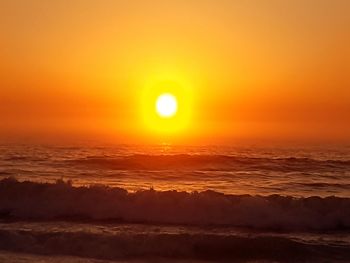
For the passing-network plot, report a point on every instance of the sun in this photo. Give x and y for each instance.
(166, 105)
(166, 108)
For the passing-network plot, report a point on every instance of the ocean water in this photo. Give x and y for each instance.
(167, 203)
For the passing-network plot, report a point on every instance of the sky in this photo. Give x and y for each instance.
(242, 70)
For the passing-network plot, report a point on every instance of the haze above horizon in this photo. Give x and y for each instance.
(254, 69)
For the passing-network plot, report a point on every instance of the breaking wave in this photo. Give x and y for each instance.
(44, 201)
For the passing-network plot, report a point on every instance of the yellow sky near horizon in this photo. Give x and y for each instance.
(254, 69)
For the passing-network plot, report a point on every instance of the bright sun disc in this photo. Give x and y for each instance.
(166, 105)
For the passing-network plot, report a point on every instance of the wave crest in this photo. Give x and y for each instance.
(44, 201)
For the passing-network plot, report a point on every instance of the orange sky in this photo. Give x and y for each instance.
(254, 69)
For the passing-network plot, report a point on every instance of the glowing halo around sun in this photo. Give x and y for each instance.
(166, 105)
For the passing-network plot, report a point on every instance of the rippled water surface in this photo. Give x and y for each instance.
(233, 170)
(174, 204)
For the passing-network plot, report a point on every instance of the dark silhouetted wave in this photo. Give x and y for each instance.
(29, 200)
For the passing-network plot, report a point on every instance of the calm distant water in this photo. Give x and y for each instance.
(231, 170)
(174, 204)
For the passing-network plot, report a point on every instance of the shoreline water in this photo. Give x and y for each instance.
(165, 243)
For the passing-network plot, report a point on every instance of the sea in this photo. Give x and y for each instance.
(170, 203)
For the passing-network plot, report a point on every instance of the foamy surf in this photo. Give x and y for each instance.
(44, 201)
